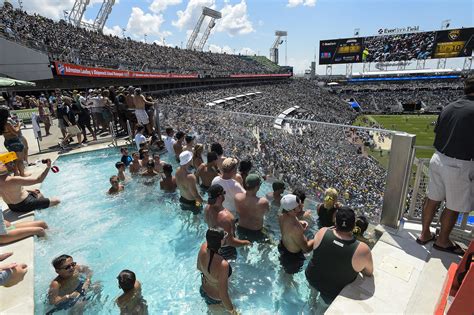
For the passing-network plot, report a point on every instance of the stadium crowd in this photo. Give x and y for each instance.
(65, 42)
(432, 95)
(400, 47)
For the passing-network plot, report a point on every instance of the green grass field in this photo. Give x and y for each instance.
(420, 125)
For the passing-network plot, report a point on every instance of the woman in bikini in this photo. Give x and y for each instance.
(215, 270)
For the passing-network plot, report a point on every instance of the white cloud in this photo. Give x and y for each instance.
(235, 20)
(141, 23)
(218, 49)
(52, 9)
(190, 15)
(247, 51)
(115, 30)
(158, 6)
(295, 3)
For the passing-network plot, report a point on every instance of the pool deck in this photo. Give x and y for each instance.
(408, 278)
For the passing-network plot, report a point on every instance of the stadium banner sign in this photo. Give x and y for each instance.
(274, 75)
(398, 30)
(67, 69)
(398, 47)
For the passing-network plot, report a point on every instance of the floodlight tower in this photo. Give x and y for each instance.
(103, 14)
(79, 8)
(77, 12)
(278, 41)
(214, 15)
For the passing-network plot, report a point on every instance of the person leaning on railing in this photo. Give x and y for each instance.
(451, 170)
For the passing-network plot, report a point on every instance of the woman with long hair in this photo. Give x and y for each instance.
(12, 134)
(215, 270)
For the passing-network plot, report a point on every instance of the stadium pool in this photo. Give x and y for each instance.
(144, 230)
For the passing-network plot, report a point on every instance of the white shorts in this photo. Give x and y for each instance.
(142, 116)
(73, 130)
(451, 180)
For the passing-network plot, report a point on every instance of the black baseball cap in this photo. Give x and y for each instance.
(213, 192)
(345, 219)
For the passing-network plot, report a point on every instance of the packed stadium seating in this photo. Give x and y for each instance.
(67, 43)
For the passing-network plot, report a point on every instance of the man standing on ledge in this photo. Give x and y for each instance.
(451, 170)
(18, 198)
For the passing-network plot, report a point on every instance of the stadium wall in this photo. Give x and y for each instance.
(22, 63)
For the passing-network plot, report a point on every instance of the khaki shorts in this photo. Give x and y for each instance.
(73, 130)
(452, 180)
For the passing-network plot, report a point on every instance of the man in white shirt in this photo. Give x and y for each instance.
(139, 137)
(170, 141)
(230, 185)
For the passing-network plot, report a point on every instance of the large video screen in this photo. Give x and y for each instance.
(399, 47)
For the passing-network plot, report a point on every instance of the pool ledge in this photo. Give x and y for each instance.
(19, 299)
(408, 278)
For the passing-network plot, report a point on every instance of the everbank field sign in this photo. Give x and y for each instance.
(398, 30)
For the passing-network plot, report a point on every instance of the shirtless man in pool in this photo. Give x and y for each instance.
(71, 284)
(190, 199)
(17, 197)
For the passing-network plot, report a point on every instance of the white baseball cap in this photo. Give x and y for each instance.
(289, 202)
(185, 157)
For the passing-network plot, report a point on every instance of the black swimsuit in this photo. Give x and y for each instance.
(209, 300)
(210, 261)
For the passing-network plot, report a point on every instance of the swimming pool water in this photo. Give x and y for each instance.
(144, 230)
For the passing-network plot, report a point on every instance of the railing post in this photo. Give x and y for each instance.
(399, 169)
(416, 188)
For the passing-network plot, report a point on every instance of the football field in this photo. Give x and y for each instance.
(420, 125)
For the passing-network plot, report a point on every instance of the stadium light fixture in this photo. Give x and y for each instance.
(214, 15)
(278, 41)
(79, 8)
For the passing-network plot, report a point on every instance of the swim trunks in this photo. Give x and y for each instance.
(72, 301)
(207, 298)
(142, 116)
(251, 235)
(30, 203)
(291, 262)
(14, 145)
(5, 276)
(189, 205)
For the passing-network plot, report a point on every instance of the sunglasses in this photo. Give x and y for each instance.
(71, 265)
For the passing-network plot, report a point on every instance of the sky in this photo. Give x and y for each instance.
(248, 26)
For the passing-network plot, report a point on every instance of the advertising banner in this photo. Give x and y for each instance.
(67, 69)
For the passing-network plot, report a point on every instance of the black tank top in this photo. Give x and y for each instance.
(325, 216)
(330, 269)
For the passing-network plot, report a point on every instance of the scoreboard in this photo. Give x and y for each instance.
(422, 45)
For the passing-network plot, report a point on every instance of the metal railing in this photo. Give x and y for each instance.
(462, 231)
